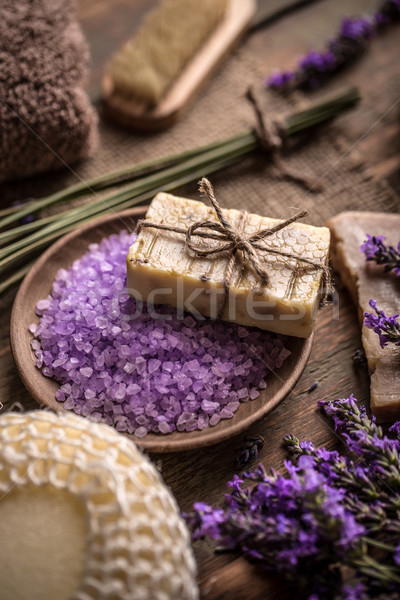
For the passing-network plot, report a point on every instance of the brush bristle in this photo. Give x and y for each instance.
(150, 62)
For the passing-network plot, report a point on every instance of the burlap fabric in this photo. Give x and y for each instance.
(221, 111)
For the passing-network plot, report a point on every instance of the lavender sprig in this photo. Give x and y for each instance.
(365, 438)
(372, 483)
(328, 512)
(376, 250)
(353, 37)
(248, 450)
(388, 13)
(388, 328)
(339, 470)
(291, 525)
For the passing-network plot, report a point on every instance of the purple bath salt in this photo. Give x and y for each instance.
(138, 369)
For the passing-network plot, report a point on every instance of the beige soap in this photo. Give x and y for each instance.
(367, 280)
(162, 270)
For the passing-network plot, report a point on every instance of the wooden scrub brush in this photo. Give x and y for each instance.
(155, 74)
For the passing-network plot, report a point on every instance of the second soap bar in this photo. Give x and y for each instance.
(162, 270)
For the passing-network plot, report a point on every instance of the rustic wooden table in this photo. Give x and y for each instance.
(373, 132)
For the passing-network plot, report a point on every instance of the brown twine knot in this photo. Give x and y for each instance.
(233, 239)
(270, 134)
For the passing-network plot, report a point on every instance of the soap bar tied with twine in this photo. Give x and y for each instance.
(232, 241)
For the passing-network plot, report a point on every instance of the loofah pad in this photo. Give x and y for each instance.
(46, 118)
(85, 516)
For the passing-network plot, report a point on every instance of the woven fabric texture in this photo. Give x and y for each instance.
(46, 118)
(220, 111)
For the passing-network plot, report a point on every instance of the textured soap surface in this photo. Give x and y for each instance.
(161, 270)
(367, 280)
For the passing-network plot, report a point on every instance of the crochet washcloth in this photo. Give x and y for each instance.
(46, 119)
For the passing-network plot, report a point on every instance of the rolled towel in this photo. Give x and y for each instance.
(46, 119)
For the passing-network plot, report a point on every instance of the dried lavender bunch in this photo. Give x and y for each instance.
(366, 439)
(359, 358)
(327, 513)
(248, 450)
(388, 328)
(352, 39)
(376, 250)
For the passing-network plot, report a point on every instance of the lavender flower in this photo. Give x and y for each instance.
(396, 556)
(358, 29)
(248, 450)
(286, 524)
(353, 37)
(359, 358)
(395, 428)
(365, 438)
(319, 61)
(279, 79)
(328, 511)
(376, 250)
(315, 67)
(27, 218)
(388, 328)
(388, 13)
(356, 592)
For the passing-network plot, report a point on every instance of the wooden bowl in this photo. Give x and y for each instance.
(37, 285)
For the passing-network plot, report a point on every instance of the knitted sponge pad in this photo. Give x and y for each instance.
(138, 547)
(46, 118)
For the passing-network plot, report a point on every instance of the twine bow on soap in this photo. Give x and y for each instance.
(233, 240)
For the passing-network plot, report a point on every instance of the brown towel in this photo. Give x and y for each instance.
(46, 119)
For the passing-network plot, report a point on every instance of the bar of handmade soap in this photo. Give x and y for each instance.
(161, 269)
(366, 280)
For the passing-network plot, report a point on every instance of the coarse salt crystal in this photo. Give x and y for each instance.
(149, 373)
(140, 432)
(209, 407)
(43, 305)
(85, 371)
(154, 365)
(164, 427)
(215, 419)
(226, 413)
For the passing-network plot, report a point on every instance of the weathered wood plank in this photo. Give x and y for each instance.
(202, 475)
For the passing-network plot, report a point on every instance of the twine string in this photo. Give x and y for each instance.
(270, 134)
(232, 240)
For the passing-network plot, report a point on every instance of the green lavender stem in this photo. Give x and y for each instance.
(15, 278)
(372, 568)
(141, 190)
(112, 179)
